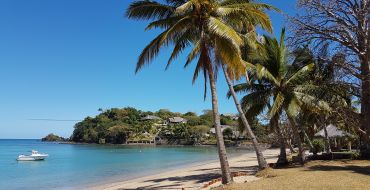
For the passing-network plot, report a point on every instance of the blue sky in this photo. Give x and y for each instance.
(64, 59)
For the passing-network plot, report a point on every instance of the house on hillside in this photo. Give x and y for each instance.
(157, 121)
(150, 118)
(236, 132)
(231, 116)
(223, 127)
(177, 120)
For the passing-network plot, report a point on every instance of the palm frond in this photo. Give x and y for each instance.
(248, 13)
(312, 103)
(150, 52)
(186, 7)
(148, 10)
(226, 53)
(301, 74)
(293, 107)
(255, 98)
(165, 38)
(194, 53)
(277, 105)
(263, 73)
(163, 23)
(183, 42)
(222, 30)
(249, 88)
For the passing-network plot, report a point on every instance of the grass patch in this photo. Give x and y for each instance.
(328, 175)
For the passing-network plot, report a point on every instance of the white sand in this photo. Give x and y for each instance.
(196, 176)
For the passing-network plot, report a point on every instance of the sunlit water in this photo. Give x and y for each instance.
(80, 166)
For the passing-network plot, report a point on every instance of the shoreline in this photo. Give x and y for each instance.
(249, 145)
(191, 177)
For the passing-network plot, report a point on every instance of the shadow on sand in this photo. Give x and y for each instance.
(212, 173)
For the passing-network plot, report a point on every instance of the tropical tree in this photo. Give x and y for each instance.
(198, 132)
(228, 133)
(279, 88)
(260, 158)
(333, 91)
(345, 25)
(247, 31)
(230, 73)
(206, 26)
(118, 134)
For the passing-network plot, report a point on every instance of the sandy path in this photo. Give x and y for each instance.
(193, 177)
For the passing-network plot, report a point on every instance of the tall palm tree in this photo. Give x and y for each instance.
(249, 35)
(279, 87)
(206, 26)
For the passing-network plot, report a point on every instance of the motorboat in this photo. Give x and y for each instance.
(35, 156)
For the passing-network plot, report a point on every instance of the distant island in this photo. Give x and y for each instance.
(131, 126)
(54, 138)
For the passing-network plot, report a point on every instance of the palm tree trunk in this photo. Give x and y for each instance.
(226, 174)
(301, 152)
(282, 160)
(262, 164)
(308, 138)
(289, 143)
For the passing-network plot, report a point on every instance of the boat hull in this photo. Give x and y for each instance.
(31, 158)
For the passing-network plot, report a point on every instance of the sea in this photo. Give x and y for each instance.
(80, 166)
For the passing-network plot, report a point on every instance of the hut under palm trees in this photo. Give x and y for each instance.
(334, 134)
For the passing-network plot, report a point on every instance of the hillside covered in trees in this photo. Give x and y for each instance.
(129, 125)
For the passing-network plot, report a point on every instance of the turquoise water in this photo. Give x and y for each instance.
(78, 166)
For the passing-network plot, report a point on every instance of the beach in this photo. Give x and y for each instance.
(194, 177)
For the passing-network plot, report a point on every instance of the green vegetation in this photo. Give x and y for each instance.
(295, 91)
(318, 146)
(279, 87)
(121, 126)
(211, 30)
(53, 138)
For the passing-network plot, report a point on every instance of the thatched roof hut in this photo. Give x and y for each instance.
(177, 120)
(333, 132)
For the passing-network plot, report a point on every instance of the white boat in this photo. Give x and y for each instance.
(35, 156)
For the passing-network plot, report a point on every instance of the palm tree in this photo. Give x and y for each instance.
(335, 93)
(279, 87)
(262, 164)
(249, 35)
(206, 26)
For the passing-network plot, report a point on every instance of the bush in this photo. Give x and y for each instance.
(228, 133)
(356, 155)
(318, 145)
(101, 141)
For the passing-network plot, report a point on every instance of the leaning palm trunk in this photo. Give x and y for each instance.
(226, 174)
(301, 152)
(262, 164)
